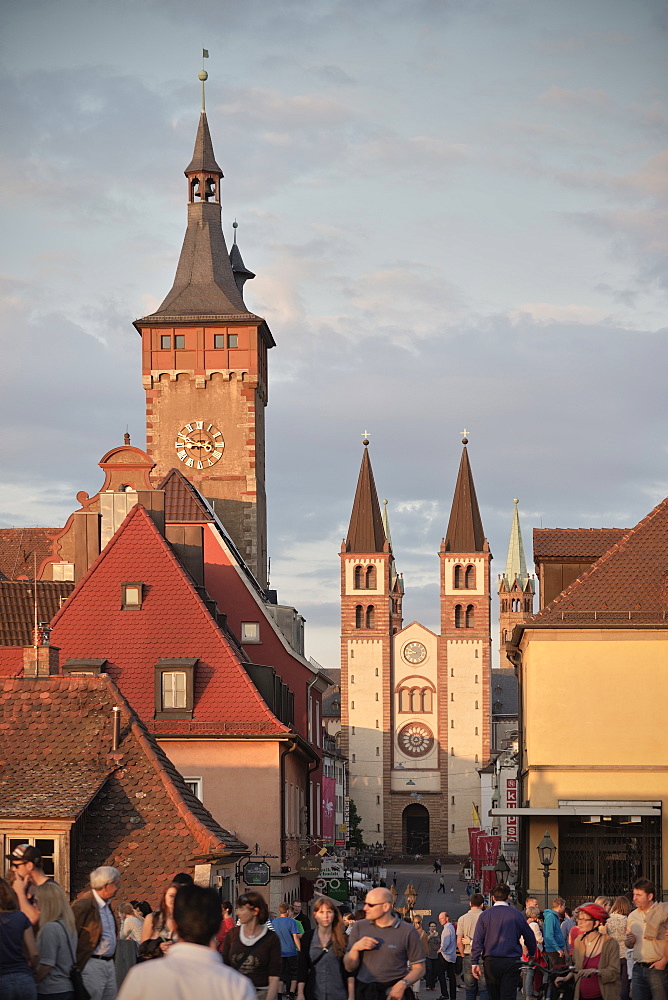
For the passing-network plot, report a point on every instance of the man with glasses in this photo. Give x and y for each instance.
(96, 927)
(27, 865)
(384, 951)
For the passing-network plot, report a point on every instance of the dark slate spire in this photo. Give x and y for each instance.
(205, 284)
(366, 532)
(203, 160)
(465, 532)
(241, 272)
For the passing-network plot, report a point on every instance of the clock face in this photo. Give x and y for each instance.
(414, 652)
(416, 739)
(199, 444)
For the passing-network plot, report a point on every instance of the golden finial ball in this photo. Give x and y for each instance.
(203, 75)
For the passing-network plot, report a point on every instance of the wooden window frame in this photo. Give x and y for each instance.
(171, 666)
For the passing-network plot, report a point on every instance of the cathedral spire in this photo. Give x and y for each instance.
(465, 532)
(516, 566)
(366, 532)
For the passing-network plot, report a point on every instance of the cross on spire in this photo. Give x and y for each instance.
(365, 435)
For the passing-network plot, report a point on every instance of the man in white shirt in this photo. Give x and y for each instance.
(646, 934)
(192, 969)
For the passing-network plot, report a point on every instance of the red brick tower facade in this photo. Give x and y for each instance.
(204, 368)
(516, 587)
(465, 657)
(368, 615)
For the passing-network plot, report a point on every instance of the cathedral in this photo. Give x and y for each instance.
(415, 705)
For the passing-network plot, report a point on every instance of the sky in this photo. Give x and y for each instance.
(456, 211)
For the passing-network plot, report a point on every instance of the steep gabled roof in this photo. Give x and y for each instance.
(173, 622)
(183, 503)
(574, 543)
(55, 761)
(465, 532)
(17, 546)
(17, 608)
(628, 584)
(204, 160)
(366, 532)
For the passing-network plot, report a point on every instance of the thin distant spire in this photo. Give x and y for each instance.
(386, 523)
(516, 565)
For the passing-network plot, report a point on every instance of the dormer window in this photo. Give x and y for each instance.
(132, 596)
(175, 688)
(250, 631)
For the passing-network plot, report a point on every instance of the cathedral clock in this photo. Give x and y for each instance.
(414, 652)
(416, 739)
(199, 444)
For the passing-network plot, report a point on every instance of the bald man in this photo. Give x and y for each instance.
(381, 948)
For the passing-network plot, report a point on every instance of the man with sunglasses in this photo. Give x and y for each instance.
(384, 951)
(26, 863)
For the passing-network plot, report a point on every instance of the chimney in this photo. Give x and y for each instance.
(116, 737)
(40, 661)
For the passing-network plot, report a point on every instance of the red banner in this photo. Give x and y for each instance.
(328, 808)
(475, 836)
(489, 847)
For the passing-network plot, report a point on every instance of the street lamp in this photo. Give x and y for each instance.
(546, 852)
(501, 869)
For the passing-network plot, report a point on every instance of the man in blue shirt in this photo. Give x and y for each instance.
(552, 934)
(447, 954)
(288, 933)
(497, 939)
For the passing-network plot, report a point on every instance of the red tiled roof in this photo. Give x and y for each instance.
(628, 583)
(17, 608)
(17, 546)
(172, 622)
(55, 760)
(574, 543)
(183, 503)
(11, 660)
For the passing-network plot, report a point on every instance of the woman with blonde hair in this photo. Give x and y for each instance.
(56, 942)
(320, 972)
(616, 925)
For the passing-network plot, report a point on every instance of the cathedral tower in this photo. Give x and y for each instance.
(516, 587)
(464, 661)
(369, 613)
(204, 365)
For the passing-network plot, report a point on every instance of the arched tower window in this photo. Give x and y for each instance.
(470, 616)
(359, 616)
(416, 700)
(470, 578)
(359, 579)
(371, 577)
(370, 616)
(404, 700)
(458, 616)
(459, 577)
(427, 700)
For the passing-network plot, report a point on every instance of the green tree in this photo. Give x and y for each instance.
(355, 838)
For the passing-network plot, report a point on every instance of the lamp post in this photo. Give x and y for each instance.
(546, 852)
(501, 869)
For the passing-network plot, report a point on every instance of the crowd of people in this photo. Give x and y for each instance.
(192, 947)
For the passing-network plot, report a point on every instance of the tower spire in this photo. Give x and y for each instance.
(516, 566)
(465, 531)
(366, 532)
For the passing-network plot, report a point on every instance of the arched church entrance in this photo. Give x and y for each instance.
(415, 829)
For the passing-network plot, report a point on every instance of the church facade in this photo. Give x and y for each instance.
(415, 705)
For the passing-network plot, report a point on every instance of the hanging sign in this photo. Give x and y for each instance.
(256, 873)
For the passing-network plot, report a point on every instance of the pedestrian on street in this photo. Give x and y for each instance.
(466, 925)
(96, 932)
(595, 956)
(287, 929)
(191, 969)
(253, 949)
(437, 865)
(433, 963)
(18, 952)
(300, 914)
(646, 935)
(552, 935)
(226, 924)
(159, 930)
(616, 928)
(497, 945)
(381, 948)
(441, 885)
(447, 955)
(28, 867)
(56, 942)
(321, 974)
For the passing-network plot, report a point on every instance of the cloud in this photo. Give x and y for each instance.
(586, 97)
(550, 312)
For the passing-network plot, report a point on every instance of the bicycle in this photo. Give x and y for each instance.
(563, 991)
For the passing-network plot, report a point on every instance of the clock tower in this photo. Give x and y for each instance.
(204, 368)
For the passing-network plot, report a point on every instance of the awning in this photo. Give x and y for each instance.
(585, 808)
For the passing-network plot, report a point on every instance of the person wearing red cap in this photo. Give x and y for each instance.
(595, 957)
